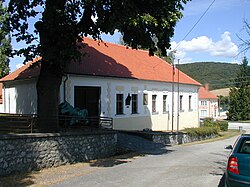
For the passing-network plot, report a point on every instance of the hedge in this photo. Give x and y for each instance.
(221, 125)
(202, 131)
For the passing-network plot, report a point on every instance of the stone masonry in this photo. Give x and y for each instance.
(22, 153)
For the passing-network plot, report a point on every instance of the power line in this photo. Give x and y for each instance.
(229, 79)
(195, 24)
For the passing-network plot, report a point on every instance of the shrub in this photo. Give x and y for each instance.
(202, 131)
(221, 125)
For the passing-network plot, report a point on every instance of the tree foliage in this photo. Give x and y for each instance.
(138, 21)
(5, 41)
(240, 95)
(63, 23)
(217, 74)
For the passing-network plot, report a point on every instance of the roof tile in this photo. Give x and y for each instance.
(108, 59)
(205, 94)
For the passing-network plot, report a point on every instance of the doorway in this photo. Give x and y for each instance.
(87, 97)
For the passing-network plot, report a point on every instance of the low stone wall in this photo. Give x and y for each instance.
(171, 138)
(22, 153)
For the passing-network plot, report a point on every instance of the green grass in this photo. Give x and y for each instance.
(222, 136)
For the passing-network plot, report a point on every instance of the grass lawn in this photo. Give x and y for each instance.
(222, 135)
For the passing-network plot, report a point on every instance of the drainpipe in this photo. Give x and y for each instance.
(4, 98)
(64, 88)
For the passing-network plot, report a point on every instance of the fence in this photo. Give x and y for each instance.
(26, 123)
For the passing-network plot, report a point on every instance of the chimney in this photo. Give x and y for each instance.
(206, 86)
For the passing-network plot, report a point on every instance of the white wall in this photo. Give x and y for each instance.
(211, 108)
(111, 86)
(20, 97)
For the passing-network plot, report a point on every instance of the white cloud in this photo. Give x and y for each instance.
(225, 47)
(202, 44)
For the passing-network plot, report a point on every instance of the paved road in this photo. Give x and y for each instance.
(197, 165)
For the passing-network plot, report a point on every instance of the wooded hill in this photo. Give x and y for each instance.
(217, 74)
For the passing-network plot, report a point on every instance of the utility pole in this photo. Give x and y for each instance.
(172, 57)
(173, 97)
(178, 102)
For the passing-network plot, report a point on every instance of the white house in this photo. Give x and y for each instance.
(137, 90)
(208, 104)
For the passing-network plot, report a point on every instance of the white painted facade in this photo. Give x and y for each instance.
(145, 118)
(20, 97)
(208, 108)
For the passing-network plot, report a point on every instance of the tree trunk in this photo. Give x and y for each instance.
(48, 88)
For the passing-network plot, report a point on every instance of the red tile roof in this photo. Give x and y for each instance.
(108, 59)
(27, 71)
(205, 94)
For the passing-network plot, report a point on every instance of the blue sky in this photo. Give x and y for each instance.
(213, 39)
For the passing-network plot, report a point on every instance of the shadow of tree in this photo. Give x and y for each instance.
(17, 180)
(115, 160)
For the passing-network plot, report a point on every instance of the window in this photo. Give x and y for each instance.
(154, 103)
(164, 103)
(203, 113)
(204, 103)
(134, 104)
(119, 103)
(145, 99)
(190, 103)
(245, 146)
(181, 100)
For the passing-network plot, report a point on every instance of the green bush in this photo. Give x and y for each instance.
(202, 131)
(221, 125)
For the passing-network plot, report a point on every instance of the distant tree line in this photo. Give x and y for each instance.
(217, 74)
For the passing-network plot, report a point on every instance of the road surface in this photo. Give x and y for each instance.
(197, 165)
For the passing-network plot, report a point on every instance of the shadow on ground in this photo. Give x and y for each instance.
(129, 148)
(222, 181)
(17, 180)
(115, 160)
(140, 145)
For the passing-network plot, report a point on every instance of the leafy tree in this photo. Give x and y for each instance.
(224, 102)
(5, 42)
(62, 23)
(240, 95)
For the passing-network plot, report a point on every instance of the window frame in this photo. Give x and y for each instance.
(190, 103)
(134, 105)
(181, 103)
(119, 104)
(202, 112)
(145, 99)
(154, 100)
(164, 103)
(203, 103)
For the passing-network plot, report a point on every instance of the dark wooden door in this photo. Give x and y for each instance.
(88, 98)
